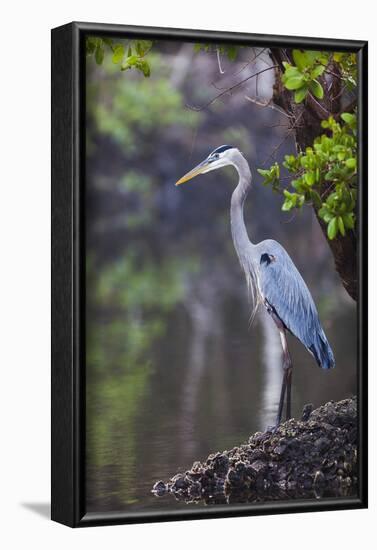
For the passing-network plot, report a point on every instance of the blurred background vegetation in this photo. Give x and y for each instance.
(173, 372)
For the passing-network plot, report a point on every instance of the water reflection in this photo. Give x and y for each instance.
(180, 375)
(255, 497)
(272, 361)
(204, 322)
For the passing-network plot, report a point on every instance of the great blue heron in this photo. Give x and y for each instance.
(272, 277)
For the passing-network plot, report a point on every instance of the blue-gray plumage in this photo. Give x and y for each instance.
(272, 277)
(285, 290)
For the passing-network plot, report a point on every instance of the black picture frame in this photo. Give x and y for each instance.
(68, 274)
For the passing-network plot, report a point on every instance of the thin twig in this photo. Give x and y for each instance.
(220, 88)
(289, 132)
(219, 61)
(268, 104)
(264, 61)
(256, 55)
(279, 125)
(340, 93)
(328, 113)
(229, 90)
(276, 149)
(286, 56)
(328, 189)
(294, 214)
(340, 77)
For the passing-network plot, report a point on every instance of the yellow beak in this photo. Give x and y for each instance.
(194, 172)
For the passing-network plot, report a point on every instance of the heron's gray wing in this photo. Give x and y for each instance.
(285, 290)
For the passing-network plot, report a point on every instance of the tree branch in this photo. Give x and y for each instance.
(229, 90)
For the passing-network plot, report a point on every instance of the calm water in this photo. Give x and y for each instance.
(171, 379)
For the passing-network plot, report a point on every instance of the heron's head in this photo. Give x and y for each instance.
(222, 156)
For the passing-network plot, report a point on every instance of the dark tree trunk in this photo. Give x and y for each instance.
(306, 121)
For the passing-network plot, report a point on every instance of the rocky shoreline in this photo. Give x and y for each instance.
(315, 456)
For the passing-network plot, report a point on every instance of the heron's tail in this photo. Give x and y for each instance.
(322, 351)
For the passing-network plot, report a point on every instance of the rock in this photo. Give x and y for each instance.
(300, 459)
(319, 479)
(220, 464)
(257, 454)
(159, 488)
(306, 412)
(280, 449)
(179, 483)
(322, 444)
(195, 489)
(258, 467)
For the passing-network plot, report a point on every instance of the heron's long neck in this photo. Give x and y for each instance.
(239, 232)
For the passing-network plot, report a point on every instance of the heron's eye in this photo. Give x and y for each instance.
(216, 156)
(267, 259)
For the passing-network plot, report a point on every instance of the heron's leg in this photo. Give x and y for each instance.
(287, 366)
(289, 384)
(281, 401)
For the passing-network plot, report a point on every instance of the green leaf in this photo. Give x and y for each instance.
(316, 89)
(325, 214)
(301, 94)
(315, 198)
(332, 229)
(349, 220)
(300, 58)
(145, 68)
(349, 119)
(232, 52)
(333, 158)
(100, 54)
(351, 163)
(291, 72)
(340, 223)
(263, 173)
(142, 47)
(118, 54)
(317, 71)
(310, 178)
(294, 82)
(301, 200)
(129, 62)
(108, 42)
(312, 56)
(138, 48)
(287, 205)
(132, 60)
(91, 44)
